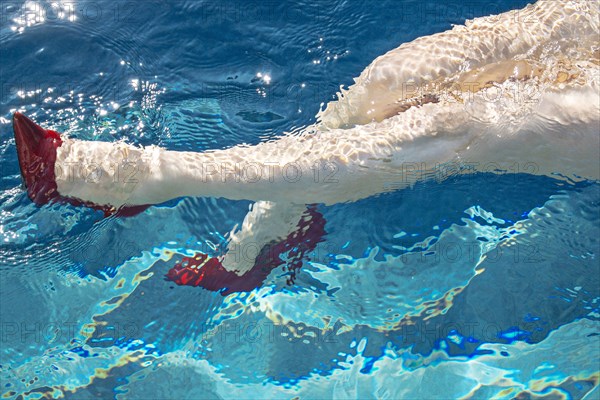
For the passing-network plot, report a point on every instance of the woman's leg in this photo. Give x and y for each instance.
(209, 273)
(265, 224)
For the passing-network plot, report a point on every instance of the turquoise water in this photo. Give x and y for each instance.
(483, 285)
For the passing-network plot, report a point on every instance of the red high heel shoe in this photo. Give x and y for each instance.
(208, 272)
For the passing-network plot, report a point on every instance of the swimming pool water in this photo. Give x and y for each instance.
(480, 286)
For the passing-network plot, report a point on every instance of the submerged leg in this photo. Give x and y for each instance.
(209, 273)
(266, 223)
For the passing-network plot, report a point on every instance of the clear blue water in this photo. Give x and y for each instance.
(481, 285)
